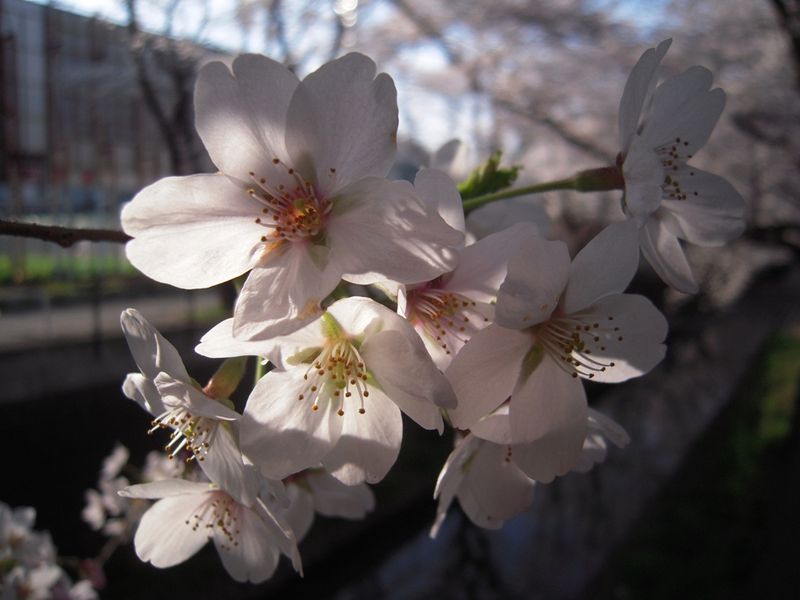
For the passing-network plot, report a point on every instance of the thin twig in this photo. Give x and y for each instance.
(63, 236)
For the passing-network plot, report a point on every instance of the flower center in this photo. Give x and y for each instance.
(219, 512)
(190, 431)
(672, 158)
(337, 373)
(290, 212)
(447, 317)
(577, 342)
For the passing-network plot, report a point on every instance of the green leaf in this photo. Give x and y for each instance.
(489, 178)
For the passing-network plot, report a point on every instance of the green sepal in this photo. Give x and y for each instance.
(489, 178)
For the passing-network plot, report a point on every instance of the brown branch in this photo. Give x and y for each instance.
(63, 236)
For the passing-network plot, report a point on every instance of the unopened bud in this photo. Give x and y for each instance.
(599, 180)
(226, 379)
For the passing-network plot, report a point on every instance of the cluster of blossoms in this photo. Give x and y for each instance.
(29, 566)
(369, 298)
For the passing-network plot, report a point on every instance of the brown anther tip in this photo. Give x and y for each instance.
(315, 407)
(262, 180)
(275, 161)
(251, 173)
(340, 412)
(361, 411)
(263, 238)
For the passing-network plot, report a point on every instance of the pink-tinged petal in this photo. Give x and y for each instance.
(499, 488)
(537, 275)
(300, 513)
(685, 111)
(664, 253)
(223, 465)
(609, 428)
(636, 91)
(631, 341)
(151, 351)
(281, 434)
(370, 442)
(359, 316)
(594, 451)
(712, 213)
(254, 556)
(241, 115)
(405, 371)
(498, 216)
(548, 422)
(494, 427)
(163, 537)
(167, 488)
(484, 373)
(334, 499)
(483, 266)
(342, 123)
(280, 533)
(285, 294)
(644, 176)
(178, 393)
(441, 194)
(380, 230)
(192, 232)
(143, 391)
(604, 266)
(450, 479)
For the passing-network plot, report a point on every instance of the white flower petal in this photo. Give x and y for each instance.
(343, 117)
(151, 351)
(644, 176)
(685, 108)
(380, 230)
(636, 91)
(192, 232)
(537, 275)
(178, 393)
(494, 427)
(282, 435)
(166, 488)
(300, 513)
(254, 557)
(664, 253)
(143, 391)
(609, 428)
(500, 489)
(548, 417)
(163, 537)
(370, 442)
(224, 466)
(241, 116)
(711, 215)
(284, 295)
(633, 341)
(604, 266)
(450, 479)
(484, 373)
(440, 193)
(334, 499)
(498, 216)
(482, 266)
(407, 375)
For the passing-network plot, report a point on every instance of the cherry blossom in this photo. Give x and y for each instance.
(557, 322)
(449, 309)
(337, 395)
(248, 539)
(660, 128)
(200, 420)
(482, 472)
(300, 201)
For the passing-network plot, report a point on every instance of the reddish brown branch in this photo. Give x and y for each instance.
(63, 236)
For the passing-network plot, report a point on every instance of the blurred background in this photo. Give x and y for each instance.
(96, 100)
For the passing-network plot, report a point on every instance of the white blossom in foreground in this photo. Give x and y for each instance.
(248, 539)
(316, 491)
(482, 474)
(336, 397)
(300, 201)
(557, 322)
(449, 309)
(200, 421)
(660, 129)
